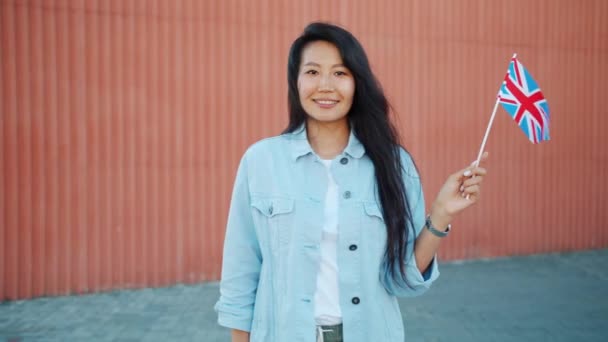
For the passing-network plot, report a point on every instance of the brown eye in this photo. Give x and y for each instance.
(311, 72)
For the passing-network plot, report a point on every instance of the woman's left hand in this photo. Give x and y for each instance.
(460, 191)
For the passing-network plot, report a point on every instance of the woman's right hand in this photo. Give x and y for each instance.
(240, 336)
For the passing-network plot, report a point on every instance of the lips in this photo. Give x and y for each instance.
(326, 103)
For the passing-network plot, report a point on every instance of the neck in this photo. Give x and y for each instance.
(328, 139)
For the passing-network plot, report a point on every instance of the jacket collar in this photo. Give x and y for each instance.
(301, 146)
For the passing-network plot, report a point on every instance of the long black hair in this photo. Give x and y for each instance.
(370, 121)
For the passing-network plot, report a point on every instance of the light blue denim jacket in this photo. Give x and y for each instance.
(271, 249)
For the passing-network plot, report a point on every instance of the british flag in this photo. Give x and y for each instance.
(521, 97)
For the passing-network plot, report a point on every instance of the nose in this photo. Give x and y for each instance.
(325, 84)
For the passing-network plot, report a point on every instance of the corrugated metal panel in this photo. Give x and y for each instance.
(123, 123)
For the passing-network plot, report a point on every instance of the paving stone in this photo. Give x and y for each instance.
(556, 297)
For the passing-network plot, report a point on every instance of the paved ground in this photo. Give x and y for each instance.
(558, 297)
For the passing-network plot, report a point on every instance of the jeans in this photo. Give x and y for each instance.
(329, 333)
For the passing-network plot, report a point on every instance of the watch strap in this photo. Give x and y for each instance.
(429, 225)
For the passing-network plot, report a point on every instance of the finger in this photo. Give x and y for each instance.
(471, 190)
(471, 197)
(469, 172)
(479, 171)
(484, 156)
(461, 175)
(472, 181)
(475, 172)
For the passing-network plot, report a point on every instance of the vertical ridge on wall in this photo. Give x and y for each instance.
(199, 214)
(220, 86)
(212, 77)
(142, 160)
(24, 157)
(154, 146)
(92, 174)
(38, 136)
(9, 162)
(185, 213)
(51, 167)
(123, 122)
(3, 176)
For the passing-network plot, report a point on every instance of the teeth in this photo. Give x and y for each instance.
(326, 102)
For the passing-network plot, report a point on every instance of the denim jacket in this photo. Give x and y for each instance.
(271, 248)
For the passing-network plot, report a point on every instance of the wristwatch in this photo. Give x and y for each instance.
(429, 225)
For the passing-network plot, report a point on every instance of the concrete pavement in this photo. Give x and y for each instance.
(555, 297)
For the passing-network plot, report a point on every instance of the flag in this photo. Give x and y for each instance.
(521, 97)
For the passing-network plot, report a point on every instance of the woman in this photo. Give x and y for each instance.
(327, 221)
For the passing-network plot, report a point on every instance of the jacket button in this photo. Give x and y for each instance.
(344, 161)
(355, 300)
(353, 247)
(270, 210)
(347, 194)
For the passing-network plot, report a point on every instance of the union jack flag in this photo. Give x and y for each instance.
(521, 97)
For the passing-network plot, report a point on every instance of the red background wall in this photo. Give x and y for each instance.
(122, 123)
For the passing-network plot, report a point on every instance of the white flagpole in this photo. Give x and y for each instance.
(485, 138)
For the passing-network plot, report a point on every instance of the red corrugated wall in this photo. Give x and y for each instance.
(122, 123)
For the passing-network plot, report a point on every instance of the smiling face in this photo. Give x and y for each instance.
(325, 86)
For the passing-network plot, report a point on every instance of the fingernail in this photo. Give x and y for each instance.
(467, 173)
(461, 188)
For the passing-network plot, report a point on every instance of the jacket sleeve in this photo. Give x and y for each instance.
(242, 259)
(416, 283)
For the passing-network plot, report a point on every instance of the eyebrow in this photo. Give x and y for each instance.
(317, 65)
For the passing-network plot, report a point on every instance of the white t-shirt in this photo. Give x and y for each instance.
(327, 295)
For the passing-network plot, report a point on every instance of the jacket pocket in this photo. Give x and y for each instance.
(273, 217)
(373, 210)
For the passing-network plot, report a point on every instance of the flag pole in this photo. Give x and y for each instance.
(485, 138)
